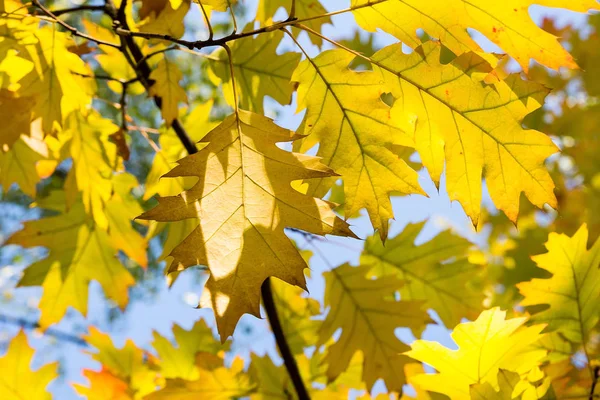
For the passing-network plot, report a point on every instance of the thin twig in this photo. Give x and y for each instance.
(207, 19)
(150, 55)
(123, 103)
(595, 377)
(71, 29)
(235, 27)
(292, 11)
(84, 7)
(26, 324)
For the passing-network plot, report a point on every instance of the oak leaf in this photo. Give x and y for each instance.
(474, 127)
(447, 287)
(18, 380)
(507, 24)
(573, 291)
(258, 71)
(485, 346)
(166, 85)
(352, 125)
(368, 315)
(243, 201)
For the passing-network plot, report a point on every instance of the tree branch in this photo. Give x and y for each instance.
(595, 377)
(25, 324)
(284, 349)
(71, 29)
(84, 7)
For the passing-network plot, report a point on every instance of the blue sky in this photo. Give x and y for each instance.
(176, 305)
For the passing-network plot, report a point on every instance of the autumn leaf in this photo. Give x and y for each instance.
(169, 21)
(243, 201)
(507, 24)
(354, 130)
(474, 128)
(179, 360)
(573, 291)
(79, 252)
(103, 385)
(485, 346)
(166, 85)
(441, 285)
(215, 382)
(304, 9)
(17, 121)
(254, 77)
(18, 380)
(368, 315)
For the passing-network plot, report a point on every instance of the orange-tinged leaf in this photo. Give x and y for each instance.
(243, 201)
(103, 386)
(506, 23)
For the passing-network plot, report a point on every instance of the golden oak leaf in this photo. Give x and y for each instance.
(94, 160)
(352, 125)
(507, 381)
(485, 346)
(507, 24)
(219, 5)
(258, 71)
(473, 127)
(179, 361)
(20, 163)
(415, 369)
(243, 201)
(304, 9)
(169, 21)
(273, 382)
(128, 364)
(367, 313)
(166, 85)
(18, 380)
(54, 82)
(573, 291)
(215, 382)
(103, 385)
(445, 287)
(79, 251)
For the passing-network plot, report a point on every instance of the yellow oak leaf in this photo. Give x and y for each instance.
(352, 125)
(18, 380)
(507, 24)
(94, 162)
(169, 21)
(485, 346)
(368, 315)
(20, 163)
(243, 201)
(258, 71)
(54, 82)
(79, 251)
(179, 360)
(215, 382)
(573, 291)
(512, 387)
(218, 5)
(443, 286)
(304, 9)
(475, 128)
(166, 85)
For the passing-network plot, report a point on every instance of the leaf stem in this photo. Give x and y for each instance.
(206, 18)
(284, 349)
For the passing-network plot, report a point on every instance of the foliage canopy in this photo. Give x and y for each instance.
(139, 128)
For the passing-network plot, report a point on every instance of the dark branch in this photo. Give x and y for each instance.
(85, 7)
(68, 27)
(25, 324)
(595, 377)
(284, 349)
